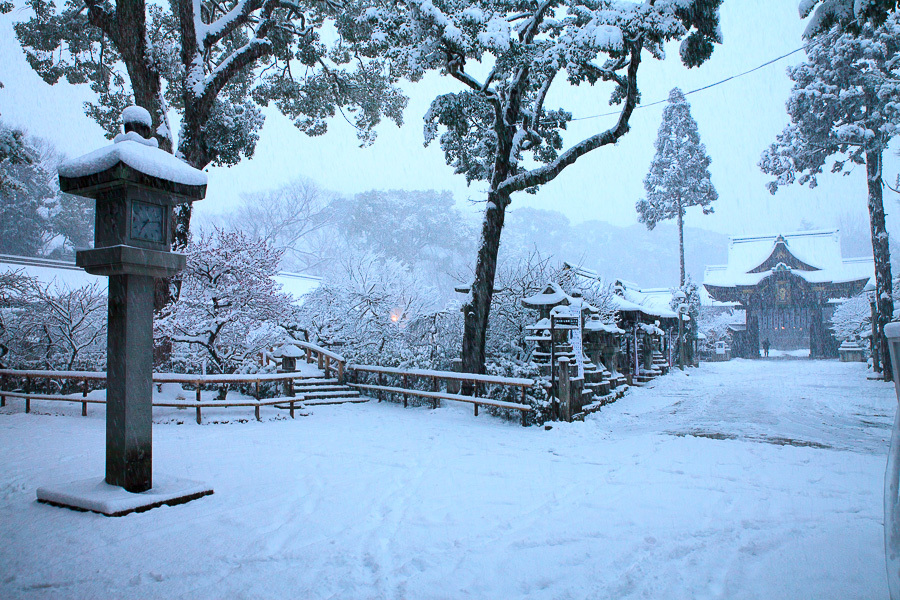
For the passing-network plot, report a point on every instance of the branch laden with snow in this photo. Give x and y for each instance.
(497, 129)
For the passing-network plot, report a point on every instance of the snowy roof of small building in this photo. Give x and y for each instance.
(817, 257)
(582, 272)
(60, 274)
(653, 301)
(67, 275)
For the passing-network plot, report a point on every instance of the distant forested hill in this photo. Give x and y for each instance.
(648, 258)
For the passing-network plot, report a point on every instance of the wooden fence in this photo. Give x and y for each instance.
(83, 380)
(451, 383)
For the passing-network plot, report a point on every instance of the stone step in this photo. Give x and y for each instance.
(330, 401)
(319, 388)
(314, 380)
(314, 395)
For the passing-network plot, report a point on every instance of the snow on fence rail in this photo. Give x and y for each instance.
(448, 377)
(198, 381)
(323, 358)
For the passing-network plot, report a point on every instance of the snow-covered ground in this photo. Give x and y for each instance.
(745, 479)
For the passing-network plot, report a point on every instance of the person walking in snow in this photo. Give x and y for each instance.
(766, 347)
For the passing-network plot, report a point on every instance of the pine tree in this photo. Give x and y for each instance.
(215, 64)
(679, 174)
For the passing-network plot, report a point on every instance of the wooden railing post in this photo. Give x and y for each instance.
(327, 365)
(256, 384)
(84, 393)
(405, 387)
(199, 399)
(564, 390)
(340, 372)
(308, 356)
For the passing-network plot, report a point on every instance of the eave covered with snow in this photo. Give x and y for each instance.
(812, 256)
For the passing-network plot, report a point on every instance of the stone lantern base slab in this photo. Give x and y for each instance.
(95, 495)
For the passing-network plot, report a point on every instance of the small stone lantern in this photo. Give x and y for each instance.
(136, 186)
(288, 353)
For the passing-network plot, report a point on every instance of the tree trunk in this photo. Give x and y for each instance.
(884, 302)
(131, 20)
(477, 310)
(681, 239)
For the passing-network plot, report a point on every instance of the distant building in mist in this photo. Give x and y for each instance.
(788, 284)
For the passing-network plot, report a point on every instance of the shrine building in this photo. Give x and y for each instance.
(788, 285)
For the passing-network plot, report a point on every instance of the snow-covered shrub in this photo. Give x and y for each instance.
(536, 396)
(715, 322)
(51, 326)
(852, 319)
(229, 308)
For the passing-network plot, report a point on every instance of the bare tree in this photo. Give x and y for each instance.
(288, 219)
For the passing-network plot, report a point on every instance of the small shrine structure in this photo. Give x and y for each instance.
(788, 285)
(649, 327)
(570, 336)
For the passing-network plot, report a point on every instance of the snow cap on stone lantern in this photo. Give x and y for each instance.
(136, 186)
(550, 297)
(288, 353)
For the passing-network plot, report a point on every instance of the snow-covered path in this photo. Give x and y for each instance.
(739, 480)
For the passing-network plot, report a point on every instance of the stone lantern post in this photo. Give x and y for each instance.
(136, 186)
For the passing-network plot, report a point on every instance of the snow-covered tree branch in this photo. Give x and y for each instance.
(217, 64)
(498, 130)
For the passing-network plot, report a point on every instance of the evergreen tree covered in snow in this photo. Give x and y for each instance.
(849, 13)
(14, 152)
(497, 129)
(690, 327)
(679, 174)
(27, 195)
(845, 104)
(215, 63)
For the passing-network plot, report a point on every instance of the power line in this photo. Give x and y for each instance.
(705, 87)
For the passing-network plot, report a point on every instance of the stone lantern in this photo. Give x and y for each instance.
(288, 353)
(136, 187)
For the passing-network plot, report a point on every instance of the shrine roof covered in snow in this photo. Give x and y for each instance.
(814, 256)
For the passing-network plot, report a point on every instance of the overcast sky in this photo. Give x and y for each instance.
(737, 120)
